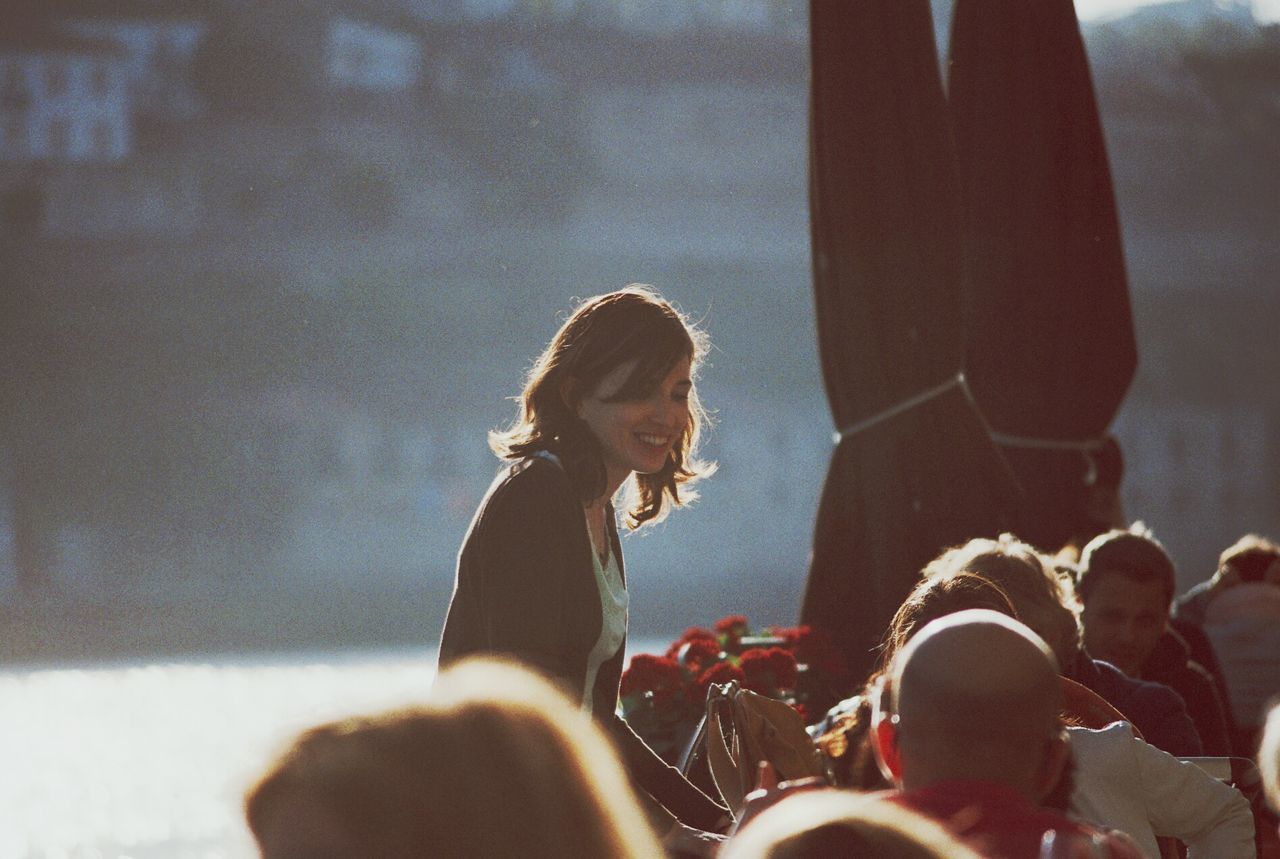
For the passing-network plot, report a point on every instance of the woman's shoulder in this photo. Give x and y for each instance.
(528, 485)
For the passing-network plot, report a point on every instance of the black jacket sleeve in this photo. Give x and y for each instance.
(521, 588)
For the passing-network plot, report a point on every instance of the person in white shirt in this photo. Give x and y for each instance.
(1122, 782)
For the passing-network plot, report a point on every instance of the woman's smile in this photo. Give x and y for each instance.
(637, 435)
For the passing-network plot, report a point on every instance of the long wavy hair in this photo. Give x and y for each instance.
(633, 324)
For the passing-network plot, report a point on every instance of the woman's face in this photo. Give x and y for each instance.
(637, 435)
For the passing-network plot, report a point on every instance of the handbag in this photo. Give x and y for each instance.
(740, 729)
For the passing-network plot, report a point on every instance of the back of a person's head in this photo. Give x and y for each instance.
(1250, 557)
(1269, 757)
(977, 696)
(1042, 598)
(496, 763)
(938, 596)
(831, 823)
(1134, 554)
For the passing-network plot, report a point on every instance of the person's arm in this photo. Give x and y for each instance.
(666, 784)
(1166, 723)
(1213, 819)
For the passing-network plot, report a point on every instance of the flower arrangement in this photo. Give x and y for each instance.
(663, 697)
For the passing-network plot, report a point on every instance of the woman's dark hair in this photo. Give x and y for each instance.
(633, 324)
(939, 596)
(1045, 599)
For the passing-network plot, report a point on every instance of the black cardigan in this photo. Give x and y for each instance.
(526, 587)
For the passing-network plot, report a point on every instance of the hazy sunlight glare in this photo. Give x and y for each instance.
(152, 761)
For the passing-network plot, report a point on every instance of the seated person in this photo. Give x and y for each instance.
(1239, 611)
(1252, 558)
(1124, 783)
(1126, 582)
(825, 824)
(973, 738)
(497, 763)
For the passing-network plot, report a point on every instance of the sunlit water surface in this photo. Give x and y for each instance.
(152, 761)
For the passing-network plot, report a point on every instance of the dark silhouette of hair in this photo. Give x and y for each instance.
(633, 324)
(1250, 556)
(1043, 598)
(939, 596)
(1135, 554)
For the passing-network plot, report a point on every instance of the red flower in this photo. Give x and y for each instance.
(698, 654)
(731, 629)
(768, 671)
(734, 622)
(721, 672)
(693, 633)
(650, 673)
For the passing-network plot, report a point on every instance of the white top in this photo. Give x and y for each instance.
(1124, 783)
(614, 602)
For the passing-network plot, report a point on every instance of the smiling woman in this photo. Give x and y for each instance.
(611, 403)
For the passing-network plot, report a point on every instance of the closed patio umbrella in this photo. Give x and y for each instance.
(913, 470)
(1050, 347)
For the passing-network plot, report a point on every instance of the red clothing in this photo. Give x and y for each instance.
(996, 821)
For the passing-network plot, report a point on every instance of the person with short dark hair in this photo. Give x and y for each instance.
(1126, 582)
(1251, 559)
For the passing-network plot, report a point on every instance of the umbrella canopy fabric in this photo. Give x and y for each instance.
(914, 470)
(1050, 348)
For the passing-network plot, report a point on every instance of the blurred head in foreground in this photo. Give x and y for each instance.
(497, 763)
(822, 824)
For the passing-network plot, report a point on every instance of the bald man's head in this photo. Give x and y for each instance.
(977, 696)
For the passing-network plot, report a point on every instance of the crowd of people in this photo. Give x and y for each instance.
(1025, 705)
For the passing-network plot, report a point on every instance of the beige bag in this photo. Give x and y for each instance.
(743, 728)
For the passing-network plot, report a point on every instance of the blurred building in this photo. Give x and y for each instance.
(313, 244)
